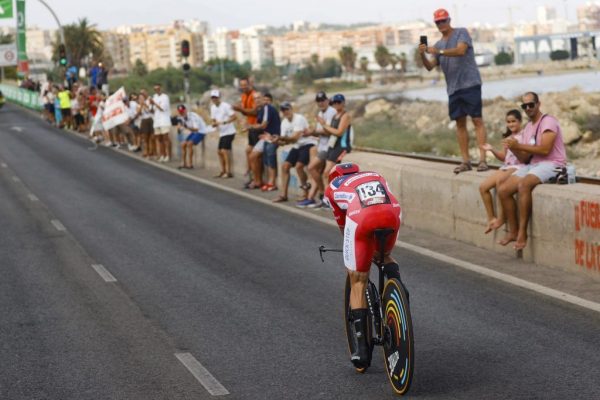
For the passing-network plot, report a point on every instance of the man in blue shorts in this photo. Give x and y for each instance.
(454, 53)
(194, 125)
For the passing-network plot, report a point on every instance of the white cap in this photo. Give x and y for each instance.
(215, 93)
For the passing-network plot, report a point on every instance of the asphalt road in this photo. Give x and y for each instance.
(239, 286)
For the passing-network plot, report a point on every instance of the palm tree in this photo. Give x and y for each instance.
(382, 56)
(364, 65)
(81, 39)
(348, 58)
(394, 60)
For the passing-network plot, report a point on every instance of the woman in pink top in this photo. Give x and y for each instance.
(511, 164)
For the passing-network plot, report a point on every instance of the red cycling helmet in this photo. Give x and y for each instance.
(343, 169)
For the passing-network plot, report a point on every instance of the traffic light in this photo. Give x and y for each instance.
(185, 48)
(62, 55)
(186, 67)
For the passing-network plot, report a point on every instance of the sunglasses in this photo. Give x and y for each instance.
(336, 102)
(441, 21)
(526, 106)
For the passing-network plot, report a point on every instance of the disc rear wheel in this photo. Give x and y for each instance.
(398, 342)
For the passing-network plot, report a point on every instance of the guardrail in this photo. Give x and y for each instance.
(24, 97)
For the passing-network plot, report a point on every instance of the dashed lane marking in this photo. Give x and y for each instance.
(16, 179)
(103, 272)
(210, 383)
(4, 165)
(33, 197)
(58, 225)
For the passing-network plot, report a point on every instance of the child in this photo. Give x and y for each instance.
(511, 164)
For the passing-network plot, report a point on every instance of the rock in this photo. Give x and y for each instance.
(570, 132)
(377, 106)
(587, 137)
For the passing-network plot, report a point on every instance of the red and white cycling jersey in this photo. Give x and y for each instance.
(361, 203)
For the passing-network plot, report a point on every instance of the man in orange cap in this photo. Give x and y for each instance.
(454, 53)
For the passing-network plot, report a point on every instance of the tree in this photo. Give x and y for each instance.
(364, 65)
(140, 68)
(6, 38)
(403, 62)
(558, 55)
(348, 58)
(81, 40)
(503, 58)
(417, 59)
(394, 60)
(382, 56)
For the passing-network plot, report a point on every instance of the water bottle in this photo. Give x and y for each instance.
(570, 174)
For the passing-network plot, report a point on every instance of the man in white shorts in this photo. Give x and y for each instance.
(161, 108)
(543, 147)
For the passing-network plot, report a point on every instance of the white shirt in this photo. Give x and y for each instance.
(162, 118)
(221, 113)
(133, 108)
(194, 122)
(297, 124)
(146, 114)
(327, 116)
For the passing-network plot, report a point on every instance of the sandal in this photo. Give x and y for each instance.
(280, 199)
(222, 174)
(228, 176)
(482, 166)
(462, 167)
(251, 185)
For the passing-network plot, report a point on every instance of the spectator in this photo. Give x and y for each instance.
(265, 150)
(543, 147)
(71, 75)
(317, 164)
(64, 99)
(340, 131)
(511, 164)
(102, 78)
(146, 125)
(247, 106)
(196, 128)
(76, 111)
(161, 108)
(293, 128)
(94, 73)
(134, 122)
(454, 53)
(47, 100)
(222, 116)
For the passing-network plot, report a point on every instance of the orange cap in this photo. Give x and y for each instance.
(440, 14)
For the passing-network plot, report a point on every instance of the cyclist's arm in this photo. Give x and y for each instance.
(338, 213)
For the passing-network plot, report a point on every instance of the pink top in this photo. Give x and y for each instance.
(558, 153)
(510, 159)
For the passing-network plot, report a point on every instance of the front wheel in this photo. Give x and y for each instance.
(398, 342)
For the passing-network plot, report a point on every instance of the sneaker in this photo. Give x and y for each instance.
(315, 204)
(130, 147)
(305, 203)
(161, 159)
(167, 159)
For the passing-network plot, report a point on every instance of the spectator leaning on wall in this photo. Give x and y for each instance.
(222, 116)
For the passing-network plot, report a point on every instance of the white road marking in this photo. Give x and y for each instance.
(17, 128)
(556, 294)
(16, 179)
(58, 225)
(32, 197)
(202, 375)
(4, 165)
(103, 272)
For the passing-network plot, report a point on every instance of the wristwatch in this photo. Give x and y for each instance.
(441, 52)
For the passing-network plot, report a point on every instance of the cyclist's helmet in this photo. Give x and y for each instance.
(343, 169)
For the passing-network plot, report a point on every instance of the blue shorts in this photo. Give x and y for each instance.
(195, 137)
(270, 155)
(465, 102)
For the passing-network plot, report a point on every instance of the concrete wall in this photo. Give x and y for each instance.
(565, 225)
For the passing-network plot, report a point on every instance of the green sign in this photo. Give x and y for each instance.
(22, 65)
(6, 9)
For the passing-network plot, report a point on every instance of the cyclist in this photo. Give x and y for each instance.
(362, 202)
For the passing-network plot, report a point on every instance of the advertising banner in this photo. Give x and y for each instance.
(115, 112)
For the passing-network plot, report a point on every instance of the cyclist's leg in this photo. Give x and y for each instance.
(358, 252)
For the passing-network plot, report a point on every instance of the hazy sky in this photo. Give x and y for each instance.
(243, 13)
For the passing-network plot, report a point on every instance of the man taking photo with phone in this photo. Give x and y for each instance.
(454, 53)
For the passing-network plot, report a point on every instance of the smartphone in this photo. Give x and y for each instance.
(423, 40)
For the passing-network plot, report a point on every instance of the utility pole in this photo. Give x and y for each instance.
(185, 53)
